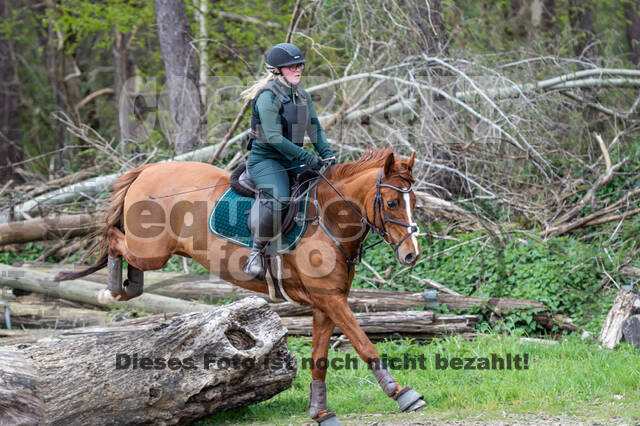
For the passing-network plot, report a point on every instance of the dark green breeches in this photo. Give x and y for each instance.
(272, 177)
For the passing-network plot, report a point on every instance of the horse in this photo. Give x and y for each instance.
(353, 198)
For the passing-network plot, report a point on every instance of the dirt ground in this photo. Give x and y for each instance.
(424, 419)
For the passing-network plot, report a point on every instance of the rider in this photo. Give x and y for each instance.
(281, 114)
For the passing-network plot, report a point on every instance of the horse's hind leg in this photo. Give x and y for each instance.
(132, 287)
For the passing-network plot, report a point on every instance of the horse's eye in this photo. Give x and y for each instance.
(392, 204)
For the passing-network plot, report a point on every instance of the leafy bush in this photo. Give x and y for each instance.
(564, 274)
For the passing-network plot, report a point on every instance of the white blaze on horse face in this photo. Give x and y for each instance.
(407, 203)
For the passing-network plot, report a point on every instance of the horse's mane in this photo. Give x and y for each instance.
(371, 158)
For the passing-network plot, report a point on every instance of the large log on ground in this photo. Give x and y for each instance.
(622, 308)
(419, 324)
(73, 378)
(47, 228)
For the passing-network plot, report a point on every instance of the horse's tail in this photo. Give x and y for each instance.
(113, 217)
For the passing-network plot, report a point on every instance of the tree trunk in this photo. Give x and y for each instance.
(10, 140)
(623, 306)
(181, 68)
(186, 367)
(581, 15)
(632, 13)
(123, 70)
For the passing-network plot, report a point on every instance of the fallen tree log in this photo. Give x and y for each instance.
(87, 292)
(622, 308)
(419, 324)
(72, 225)
(212, 289)
(365, 300)
(166, 384)
(49, 315)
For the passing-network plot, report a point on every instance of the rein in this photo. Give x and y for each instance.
(365, 223)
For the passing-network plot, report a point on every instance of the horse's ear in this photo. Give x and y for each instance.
(410, 161)
(388, 164)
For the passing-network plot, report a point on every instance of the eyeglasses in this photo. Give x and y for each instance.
(295, 67)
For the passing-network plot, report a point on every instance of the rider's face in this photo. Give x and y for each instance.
(293, 73)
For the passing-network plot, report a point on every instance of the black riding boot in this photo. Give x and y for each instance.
(267, 226)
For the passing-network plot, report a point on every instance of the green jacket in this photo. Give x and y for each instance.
(277, 147)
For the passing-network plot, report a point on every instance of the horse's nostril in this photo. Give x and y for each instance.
(410, 258)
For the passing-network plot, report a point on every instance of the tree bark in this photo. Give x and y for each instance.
(622, 308)
(181, 70)
(199, 364)
(10, 139)
(418, 324)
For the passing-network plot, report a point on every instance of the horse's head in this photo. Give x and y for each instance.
(393, 206)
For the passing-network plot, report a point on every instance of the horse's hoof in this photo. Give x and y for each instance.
(107, 296)
(329, 419)
(409, 400)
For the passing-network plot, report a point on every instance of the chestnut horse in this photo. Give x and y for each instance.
(372, 193)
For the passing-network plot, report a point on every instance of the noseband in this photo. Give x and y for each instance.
(378, 213)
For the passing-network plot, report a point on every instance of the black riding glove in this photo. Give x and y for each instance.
(315, 163)
(330, 162)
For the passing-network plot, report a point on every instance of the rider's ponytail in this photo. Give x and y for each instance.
(250, 92)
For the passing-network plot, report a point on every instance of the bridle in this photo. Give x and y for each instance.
(379, 214)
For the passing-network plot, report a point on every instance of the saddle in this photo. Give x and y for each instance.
(301, 184)
(242, 183)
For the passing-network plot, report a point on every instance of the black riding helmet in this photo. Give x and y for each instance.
(284, 54)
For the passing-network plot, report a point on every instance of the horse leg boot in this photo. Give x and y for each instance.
(264, 225)
(407, 399)
(113, 292)
(318, 404)
(114, 275)
(132, 286)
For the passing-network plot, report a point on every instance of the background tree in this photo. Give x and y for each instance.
(632, 13)
(181, 72)
(10, 138)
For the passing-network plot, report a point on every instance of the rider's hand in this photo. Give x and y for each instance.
(330, 162)
(315, 163)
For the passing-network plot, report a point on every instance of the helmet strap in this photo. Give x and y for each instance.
(280, 73)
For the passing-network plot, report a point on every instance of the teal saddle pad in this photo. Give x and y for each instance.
(229, 220)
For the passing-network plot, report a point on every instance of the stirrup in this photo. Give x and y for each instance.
(250, 268)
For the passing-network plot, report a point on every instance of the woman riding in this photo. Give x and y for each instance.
(282, 113)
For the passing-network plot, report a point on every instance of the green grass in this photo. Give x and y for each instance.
(574, 378)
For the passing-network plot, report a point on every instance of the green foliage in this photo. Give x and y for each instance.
(79, 20)
(562, 273)
(31, 252)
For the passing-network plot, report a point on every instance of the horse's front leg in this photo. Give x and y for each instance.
(340, 313)
(322, 330)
